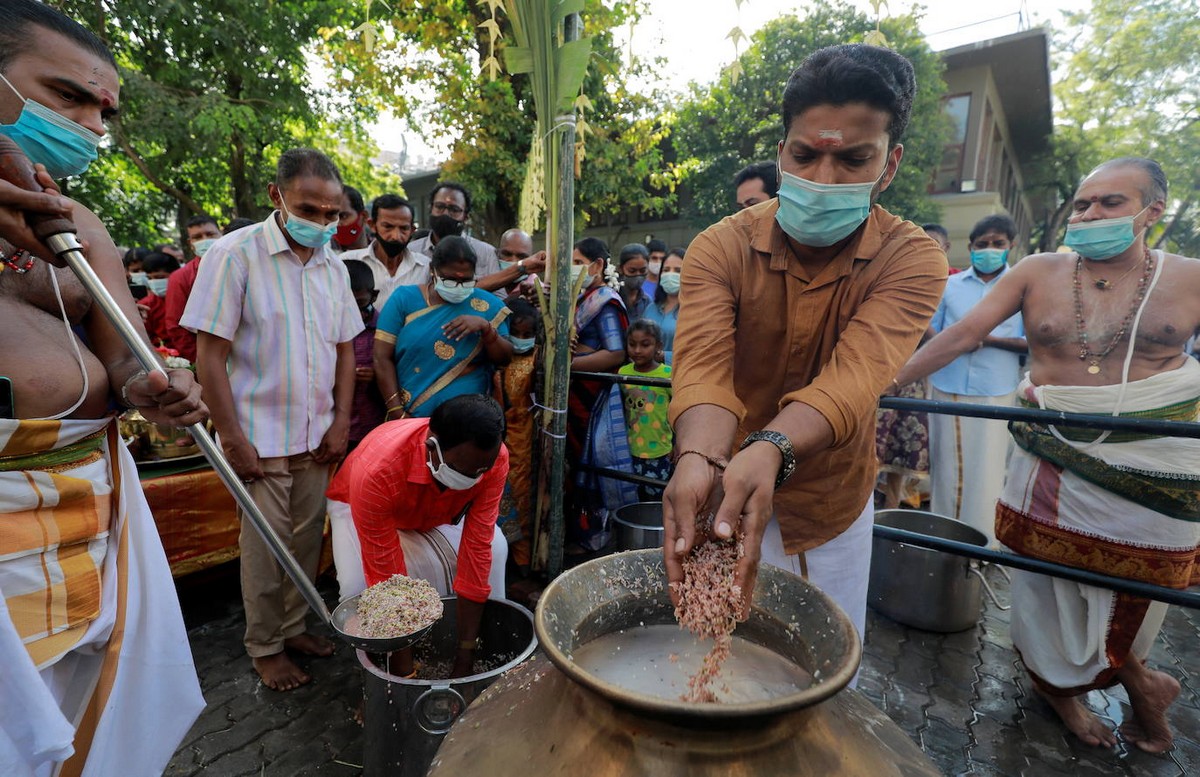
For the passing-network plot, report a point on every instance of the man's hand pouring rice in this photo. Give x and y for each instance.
(741, 496)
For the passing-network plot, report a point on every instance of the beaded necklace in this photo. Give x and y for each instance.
(19, 261)
(1085, 352)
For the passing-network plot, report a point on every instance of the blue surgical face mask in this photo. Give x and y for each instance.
(988, 260)
(1102, 239)
(820, 214)
(522, 344)
(454, 292)
(669, 282)
(137, 279)
(51, 139)
(307, 233)
(202, 246)
(157, 286)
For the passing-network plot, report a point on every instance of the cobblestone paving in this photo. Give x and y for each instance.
(962, 697)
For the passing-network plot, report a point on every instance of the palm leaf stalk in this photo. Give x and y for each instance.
(549, 49)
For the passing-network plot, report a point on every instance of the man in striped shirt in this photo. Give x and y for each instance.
(275, 323)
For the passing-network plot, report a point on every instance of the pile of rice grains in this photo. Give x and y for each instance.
(397, 606)
(710, 604)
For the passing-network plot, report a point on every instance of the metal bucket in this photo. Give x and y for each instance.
(639, 526)
(923, 588)
(404, 721)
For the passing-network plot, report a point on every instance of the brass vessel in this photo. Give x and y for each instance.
(550, 716)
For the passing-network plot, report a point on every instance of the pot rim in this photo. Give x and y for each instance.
(833, 681)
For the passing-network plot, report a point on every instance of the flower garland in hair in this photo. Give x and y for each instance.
(611, 278)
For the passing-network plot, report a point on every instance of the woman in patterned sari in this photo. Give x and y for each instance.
(600, 324)
(442, 339)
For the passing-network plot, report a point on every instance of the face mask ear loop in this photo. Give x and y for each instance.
(10, 86)
(74, 344)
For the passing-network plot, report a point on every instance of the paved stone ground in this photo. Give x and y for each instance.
(962, 697)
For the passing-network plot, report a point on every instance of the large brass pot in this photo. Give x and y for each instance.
(552, 717)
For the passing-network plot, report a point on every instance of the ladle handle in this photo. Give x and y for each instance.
(59, 235)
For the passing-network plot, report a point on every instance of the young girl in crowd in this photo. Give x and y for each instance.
(514, 387)
(650, 438)
(665, 310)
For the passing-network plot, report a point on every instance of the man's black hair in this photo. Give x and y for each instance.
(355, 197)
(656, 246)
(474, 418)
(998, 223)
(936, 228)
(458, 187)
(1156, 179)
(158, 247)
(853, 73)
(197, 221)
(297, 162)
(766, 172)
(361, 277)
(592, 248)
(390, 202)
(649, 327)
(631, 251)
(135, 254)
(17, 36)
(159, 262)
(238, 223)
(452, 248)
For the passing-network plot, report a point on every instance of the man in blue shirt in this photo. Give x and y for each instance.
(967, 455)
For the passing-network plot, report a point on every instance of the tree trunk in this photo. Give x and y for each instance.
(1049, 241)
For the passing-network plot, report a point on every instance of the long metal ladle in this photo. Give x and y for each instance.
(60, 235)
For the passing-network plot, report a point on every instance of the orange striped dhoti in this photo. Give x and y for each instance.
(96, 658)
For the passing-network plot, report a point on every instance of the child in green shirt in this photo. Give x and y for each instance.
(650, 437)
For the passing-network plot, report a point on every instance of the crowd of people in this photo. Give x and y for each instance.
(356, 367)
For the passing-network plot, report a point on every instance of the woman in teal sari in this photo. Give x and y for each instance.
(442, 339)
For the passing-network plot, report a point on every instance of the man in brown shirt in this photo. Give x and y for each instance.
(795, 314)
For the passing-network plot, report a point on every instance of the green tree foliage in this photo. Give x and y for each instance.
(1130, 85)
(424, 67)
(722, 127)
(212, 92)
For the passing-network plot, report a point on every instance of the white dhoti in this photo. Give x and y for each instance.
(98, 676)
(966, 462)
(428, 555)
(841, 567)
(1125, 506)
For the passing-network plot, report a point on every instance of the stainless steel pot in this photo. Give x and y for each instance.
(639, 526)
(405, 720)
(923, 588)
(552, 717)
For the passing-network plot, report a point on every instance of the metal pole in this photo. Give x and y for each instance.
(1121, 584)
(560, 228)
(1052, 417)
(67, 247)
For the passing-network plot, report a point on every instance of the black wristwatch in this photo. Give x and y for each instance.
(780, 441)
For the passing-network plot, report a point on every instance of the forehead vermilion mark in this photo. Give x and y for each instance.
(829, 138)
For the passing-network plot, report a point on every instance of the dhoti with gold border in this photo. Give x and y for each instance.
(98, 675)
(1122, 504)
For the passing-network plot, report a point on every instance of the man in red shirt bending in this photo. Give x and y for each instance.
(419, 492)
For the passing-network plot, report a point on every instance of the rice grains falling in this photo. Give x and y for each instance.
(710, 605)
(397, 606)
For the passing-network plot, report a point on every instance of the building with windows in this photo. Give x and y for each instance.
(999, 104)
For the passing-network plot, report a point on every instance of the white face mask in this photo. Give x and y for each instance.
(447, 475)
(655, 266)
(200, 247)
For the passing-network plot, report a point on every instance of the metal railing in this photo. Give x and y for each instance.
(997, 412)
